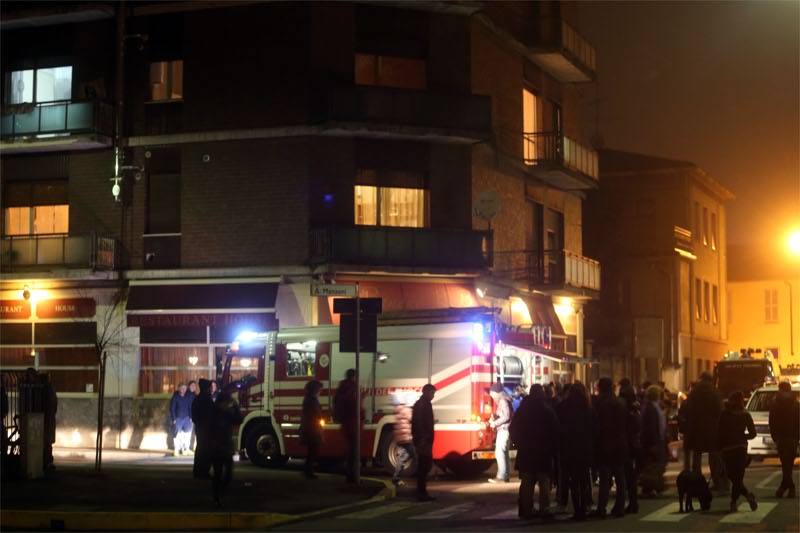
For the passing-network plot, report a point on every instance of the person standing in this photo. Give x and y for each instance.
(634, 433)
(577, 435)
(422, 433)
(652, 458)
(180, 410)
(202, 412)
(501, 422)
(311, 426)
(732, 443)
(193, 392)
(344, 407)
(226, 414)
(701, 412)
(612, 450)
(50, 407)
(784, 426)
(533, 430)
(402, 437)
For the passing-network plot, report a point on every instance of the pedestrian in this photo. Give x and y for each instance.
(784, 426)
(311, 426)
(732, 443)
(422, 434)
(214, 389)
(202, 412)
(180, 410)
(634, 433)
(652, 458)
(192, 391)
(225, 416)
(576, 442)
(500, 421)
(701, 412)
(517, 396)
(532, 431)
(612, 452)
(344, 408)
(562, 481)
(402, 437)
(192, 388)
(50, 407)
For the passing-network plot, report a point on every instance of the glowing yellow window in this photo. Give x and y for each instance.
(389, 206)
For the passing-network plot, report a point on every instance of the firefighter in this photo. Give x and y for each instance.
(500, 422)
(422, 433)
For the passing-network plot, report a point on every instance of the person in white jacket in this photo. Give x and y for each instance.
(500, 422)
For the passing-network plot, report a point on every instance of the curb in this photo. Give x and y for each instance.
(166, 521)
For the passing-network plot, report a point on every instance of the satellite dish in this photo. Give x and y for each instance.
(487, 205)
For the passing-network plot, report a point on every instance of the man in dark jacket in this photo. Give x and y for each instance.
(180, 410)
(577, 438)
(634, 431)
(500, 423)
(612, 449)
(202, 412)
(50, 404)
(784, 425)
(422, 433)
(534, 430)
(701, 413)
(344, 407)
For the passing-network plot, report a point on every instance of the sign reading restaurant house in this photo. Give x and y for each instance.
(200, 319)
(66, 308)
(15, 309)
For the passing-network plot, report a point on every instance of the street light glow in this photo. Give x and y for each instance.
(794, 242)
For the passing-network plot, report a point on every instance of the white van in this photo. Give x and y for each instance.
(759, 405)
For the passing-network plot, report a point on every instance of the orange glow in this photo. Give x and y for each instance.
(794, 242)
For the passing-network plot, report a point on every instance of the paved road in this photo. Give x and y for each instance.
(475, 505)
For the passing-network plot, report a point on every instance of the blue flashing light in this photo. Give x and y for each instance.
(477, 333)
(328, 198)
(246, 336)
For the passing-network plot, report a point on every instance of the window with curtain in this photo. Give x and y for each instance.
(166, 81)
(388, 71)
(163, 368)
(389, 206)
(33, 208)
(41, 85)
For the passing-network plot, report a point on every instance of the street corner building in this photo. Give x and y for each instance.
(190, 170)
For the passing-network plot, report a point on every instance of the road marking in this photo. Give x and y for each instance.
(767, 480)
(375, 512)
(508, 514)
(746, 516)
(668, 513)
(445, 512)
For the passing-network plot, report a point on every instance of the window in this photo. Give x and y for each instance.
(531, 107)
(163, 368)
(166, 81)
(697, 228)
(387, 71)
(706, 300)
(705, 226)
(164, 203)
(714, 304)
(33, 208)
(389, 206)
(301, 359)
(713, 231)
(771, 305)
(48, 85)
(698, 301)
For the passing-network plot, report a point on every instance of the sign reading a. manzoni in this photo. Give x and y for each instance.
(333, 289)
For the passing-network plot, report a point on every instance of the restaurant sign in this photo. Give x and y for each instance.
(66, 308)
(15, 309)
(264, 320)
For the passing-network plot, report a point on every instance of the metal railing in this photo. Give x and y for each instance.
(59, 250)
(54, 118)
(548, 268)
(553, 148)
(403, 247)
(578, 47)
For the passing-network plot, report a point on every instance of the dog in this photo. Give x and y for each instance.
(693, 485)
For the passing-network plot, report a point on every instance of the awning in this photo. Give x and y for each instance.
(553, 355)
(542, 312)
(191, 303)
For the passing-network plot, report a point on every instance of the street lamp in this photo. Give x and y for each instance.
(793, 242)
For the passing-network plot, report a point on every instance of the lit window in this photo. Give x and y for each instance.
(698, 302)
(713, 231)
(301, 359)
(771, 305)
(166, 81)
(49, 85)
(705, 226)
(389, 206)
(706, 300)
(35, 208)
(387, 71)
(697, 228)
(19, 87)
(530, 112)
(714, 304)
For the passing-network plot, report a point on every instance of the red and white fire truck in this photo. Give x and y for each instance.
(462, 359)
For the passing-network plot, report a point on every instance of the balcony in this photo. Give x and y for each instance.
(57, 126)
(561, 161)
(561, 51)
(557, 272)
(43, 252)
(403, 248)
(390, 112)
(682, 239)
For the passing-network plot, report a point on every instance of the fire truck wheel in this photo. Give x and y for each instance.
(389, 451)
(263, 448)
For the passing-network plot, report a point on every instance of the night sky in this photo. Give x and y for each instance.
(715, 83)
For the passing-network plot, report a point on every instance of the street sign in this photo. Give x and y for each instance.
(369, 306)
(333, 289)
(368, 331)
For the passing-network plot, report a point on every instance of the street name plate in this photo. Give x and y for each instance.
(333, 289)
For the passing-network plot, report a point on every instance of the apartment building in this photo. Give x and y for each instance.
(189, 169)
(658, 227)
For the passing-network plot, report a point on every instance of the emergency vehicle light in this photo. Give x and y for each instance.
(477, 333)
(246, 336)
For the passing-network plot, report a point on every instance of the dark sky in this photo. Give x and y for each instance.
(715, 83)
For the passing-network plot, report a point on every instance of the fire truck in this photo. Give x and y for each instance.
(268, 371)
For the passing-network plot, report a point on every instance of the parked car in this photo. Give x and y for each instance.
(759, 405)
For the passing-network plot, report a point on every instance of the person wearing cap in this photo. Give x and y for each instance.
(500, 422)
(202, 411)
(422, 433)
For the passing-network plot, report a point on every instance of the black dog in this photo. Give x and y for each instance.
(693, 485)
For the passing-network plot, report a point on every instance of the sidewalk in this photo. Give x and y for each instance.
(163, 496)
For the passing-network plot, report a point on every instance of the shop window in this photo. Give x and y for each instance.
(166, 81)
(388, 71)
(301, 359)
(389, 206)
(66, 333)
(32, 208)
(47, 84)
(73, 380)
(771, 305)
(164, 368)
(16, 357)
(16, 333)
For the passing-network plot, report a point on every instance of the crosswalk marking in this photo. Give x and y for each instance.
(445, 512)
(767, 480)
(375, 512)
(508, 514)
(746, 516)
(668, 513)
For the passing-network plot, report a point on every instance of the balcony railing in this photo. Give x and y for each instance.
(77, 251)
(58, 118)
(401, 247)
(579, 47)
(401, 107)
(549, 269)
(555, 149)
